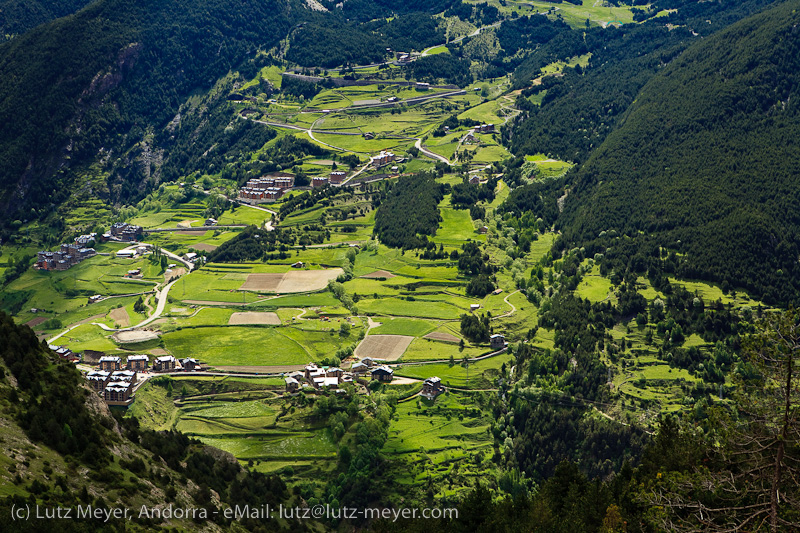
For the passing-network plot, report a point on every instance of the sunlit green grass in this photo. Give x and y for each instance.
(458, 375)
(403, 326)
(236, 346)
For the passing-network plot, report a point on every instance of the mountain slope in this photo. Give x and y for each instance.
(579, 109)
(705, 162)
(19, 16)
(91, 85)
(60, 445)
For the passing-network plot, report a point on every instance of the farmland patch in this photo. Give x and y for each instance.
(385, 347)
(443, 337)
(136, 335)
(290, 282)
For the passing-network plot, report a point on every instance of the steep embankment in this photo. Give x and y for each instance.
(60, 446)
(705, 162)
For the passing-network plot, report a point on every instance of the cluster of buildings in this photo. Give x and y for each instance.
(131, 253)
(65, 353)
(269, 187)
(115, 387)
(66, 256)
(116, 382)
(273, 186)
(336, 177)
(469, 138)
(320, 377)
(122, 231)
(85, 240)
(315, 377)
(382, 159)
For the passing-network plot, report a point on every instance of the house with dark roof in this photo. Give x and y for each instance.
(359, 368)
(382, 373)
(164, 363)
(292, 385)
(190, 364)
(432, 387)
(497, 341)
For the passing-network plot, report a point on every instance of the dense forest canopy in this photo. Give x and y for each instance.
(581, 108)
(19, 16)
(705, 162)
(410, 212)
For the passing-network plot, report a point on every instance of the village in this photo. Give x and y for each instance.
(117, 381)
(70, 254)
(272, 187)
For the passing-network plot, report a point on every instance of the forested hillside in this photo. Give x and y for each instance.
(410, 213)
(61, 106)
(580, 108)
(19, 16)
(705, 164)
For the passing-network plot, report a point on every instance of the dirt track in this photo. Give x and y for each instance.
(252, 317)
(261, 369)
(379, 274)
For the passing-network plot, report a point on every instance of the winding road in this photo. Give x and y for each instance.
(513, 308)
(432, 155)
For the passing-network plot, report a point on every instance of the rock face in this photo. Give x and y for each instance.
(98, 407)
(220, 455)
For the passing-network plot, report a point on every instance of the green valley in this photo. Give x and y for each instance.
(530, 265)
